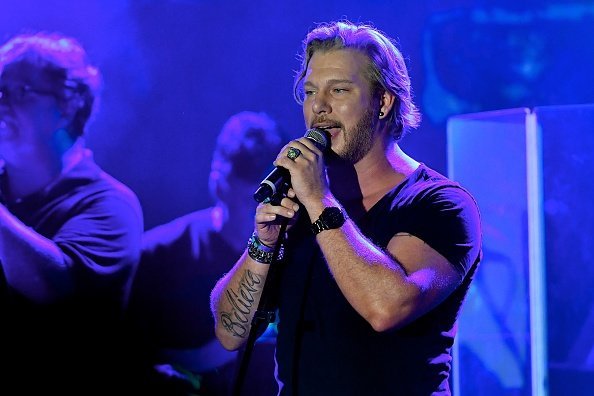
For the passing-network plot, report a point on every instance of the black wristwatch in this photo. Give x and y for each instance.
(332, 217)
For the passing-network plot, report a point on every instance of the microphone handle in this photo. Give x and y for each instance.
(277, 181)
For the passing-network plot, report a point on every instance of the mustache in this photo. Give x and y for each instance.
(326, 121)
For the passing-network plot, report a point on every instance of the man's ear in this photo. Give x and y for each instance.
(218, 184)
(213, 184)
(386, 103)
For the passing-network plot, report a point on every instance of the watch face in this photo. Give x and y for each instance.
(332, 217)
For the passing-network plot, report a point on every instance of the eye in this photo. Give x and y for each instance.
(308, 92)
(339, 90)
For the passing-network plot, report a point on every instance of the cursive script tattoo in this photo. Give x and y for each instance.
(237, 320)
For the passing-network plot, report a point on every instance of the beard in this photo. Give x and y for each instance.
(359, 140)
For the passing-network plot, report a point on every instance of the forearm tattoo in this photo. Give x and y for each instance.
(236, 321)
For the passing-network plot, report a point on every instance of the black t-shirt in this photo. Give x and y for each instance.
(325, 347)
(74, 346)
(180, 264)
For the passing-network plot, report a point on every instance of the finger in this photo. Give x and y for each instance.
(290, 204)
(296, 148)
(306, 146)
(293, 153)
(267, 212)
(264, 218)
(310, 144)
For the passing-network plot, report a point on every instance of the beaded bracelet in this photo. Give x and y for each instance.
(260, 252)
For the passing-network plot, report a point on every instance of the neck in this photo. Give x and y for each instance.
(41, 171)
(367, 181)
(377, 172)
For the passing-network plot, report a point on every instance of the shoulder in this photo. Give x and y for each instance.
(430, 203)
(91, 188)
(115, 189)
(443, 214)
(429, 187)
(193, 226)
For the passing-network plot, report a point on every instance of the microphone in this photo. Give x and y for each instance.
(280, 179)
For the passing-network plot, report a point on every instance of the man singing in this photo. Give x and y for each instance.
(381, 249)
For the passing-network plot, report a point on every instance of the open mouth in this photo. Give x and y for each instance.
(332, 129)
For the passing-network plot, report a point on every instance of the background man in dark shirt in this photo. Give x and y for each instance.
(182, 260)
(381, 248)
(69, 233)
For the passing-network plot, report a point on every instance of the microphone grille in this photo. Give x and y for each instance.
(318, 136)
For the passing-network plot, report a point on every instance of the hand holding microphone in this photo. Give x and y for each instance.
(279, 180)
(276, 187)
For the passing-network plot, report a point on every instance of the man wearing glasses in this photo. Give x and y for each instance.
(69, 233)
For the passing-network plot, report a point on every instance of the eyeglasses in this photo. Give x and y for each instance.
(17, 93)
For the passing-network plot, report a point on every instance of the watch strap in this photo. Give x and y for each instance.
(331, 217)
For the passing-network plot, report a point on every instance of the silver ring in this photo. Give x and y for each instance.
(293, 153)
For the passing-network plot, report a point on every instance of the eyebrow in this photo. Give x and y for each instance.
(330, 82)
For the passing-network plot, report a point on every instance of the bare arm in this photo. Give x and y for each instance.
(32, 264)
(235, 297)
(234, 301)
(101, 241)
(387, 288)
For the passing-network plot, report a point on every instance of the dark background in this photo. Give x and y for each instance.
(174, 71)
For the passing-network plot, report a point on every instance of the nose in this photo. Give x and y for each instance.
(320, 103)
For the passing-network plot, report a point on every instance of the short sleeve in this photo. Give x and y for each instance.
(448, 220)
